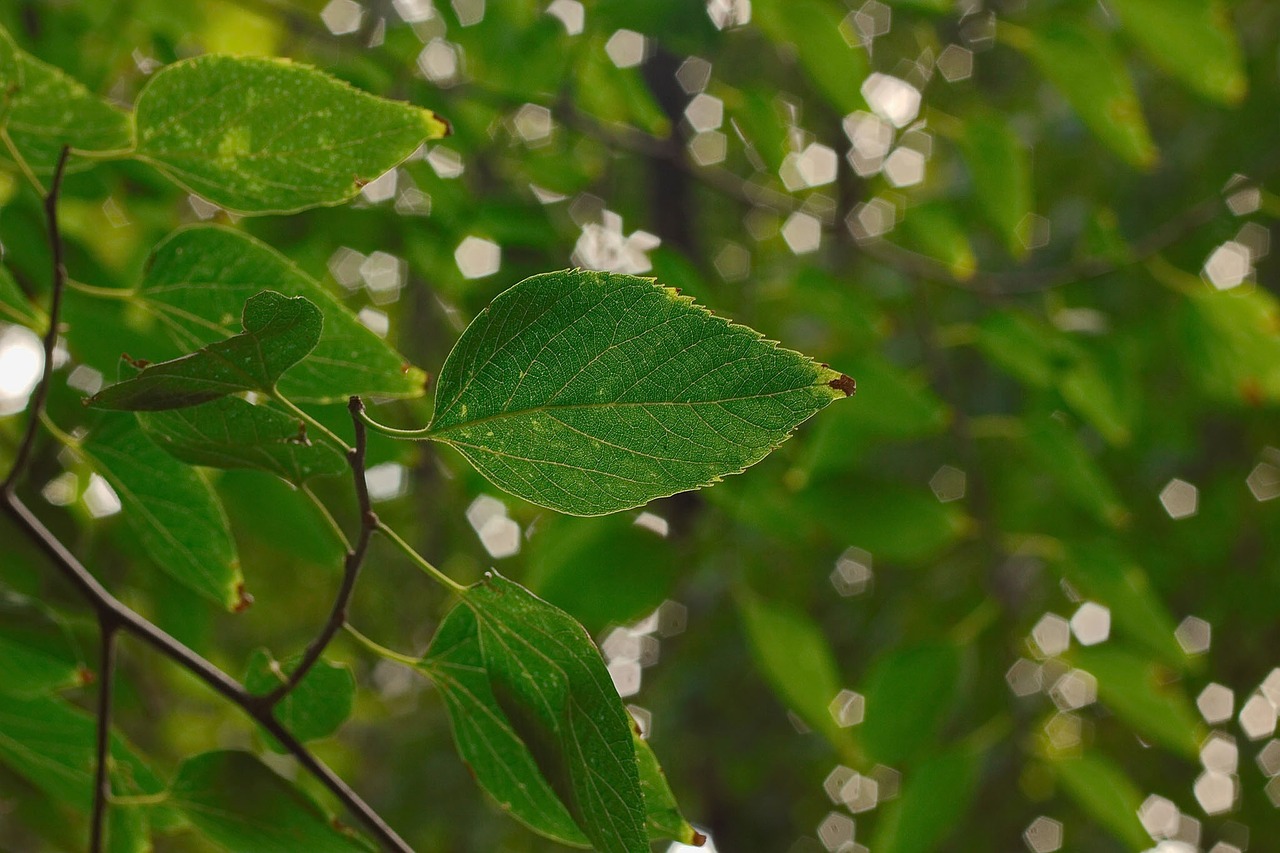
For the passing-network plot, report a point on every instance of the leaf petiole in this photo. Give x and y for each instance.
(379, 649)
(395, 432)
(420, 560)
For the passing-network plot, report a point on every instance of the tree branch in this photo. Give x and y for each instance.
(350, 567)
(114, 616)
(102, 778)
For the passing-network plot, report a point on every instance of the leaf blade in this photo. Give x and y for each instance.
(618, 418)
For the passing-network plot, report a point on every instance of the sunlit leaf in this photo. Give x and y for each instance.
(279, 331)
(1192, 40)
(199, 279)
(171, 509)
(935, 231)
(591, 393)
(232, 433)
(811, 28)
(316, 707)
(260, 135)
(42, 109)
(243, 806)
(1084, 65)
(1233, 344)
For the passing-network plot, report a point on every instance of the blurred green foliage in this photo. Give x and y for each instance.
(1050, 278)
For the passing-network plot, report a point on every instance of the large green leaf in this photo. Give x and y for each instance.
(935, 797)
(198, 279)
(1105, 793)
(279, 331)
(233, 433)
(545, 690)
(486, 739)
(796, 660)
(316, 707)
(38, 653)
(909, 693)
(53, 746)
(1085, 66)
(1139, 692)
(260, 135)
(1233, 344)
(172, 510)
(1192, 40)
(42, 109)
(244, 807)
(591, 392)
(1056, 450)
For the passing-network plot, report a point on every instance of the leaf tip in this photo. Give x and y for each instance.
(845, 384)
(243, 599)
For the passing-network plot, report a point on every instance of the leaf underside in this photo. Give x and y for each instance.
(590, 392)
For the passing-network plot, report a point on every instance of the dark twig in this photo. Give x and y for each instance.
(350, 567)
(59, 277)
(113, 616)
(102, 777)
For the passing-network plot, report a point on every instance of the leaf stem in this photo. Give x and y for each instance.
(395, 432)
(379, 649)
(312, 422)
(421, 561)
(121, 293)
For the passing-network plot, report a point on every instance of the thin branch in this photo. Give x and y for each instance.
(59, 279)
(114, 616)
(102, 778)
(350, 567)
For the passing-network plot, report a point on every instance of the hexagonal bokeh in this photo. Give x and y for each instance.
(905, 167)
(892, 98)
(955, 63)
(693, 75)
(847, 708)
(802, 233)
(1051, 635)
(704, 112)
(860, 793)
(1044, 835)
(342, 17)
(1024, 677)
(1194, 635)
(1228, 266)
(1264, 481)
(477, 257)
(1219, 753)
(1268, 758)
(626, 48)
(1216, 703)
(1258, 717)
(836, 831)
(1159, 816)
(1091, 623)
(948, 484)
(1180, 499)
(1216, 792)
(852, 574)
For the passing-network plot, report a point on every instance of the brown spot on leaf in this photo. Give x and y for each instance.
(845, 384)
(448, 126)
(243, 599)
(139, 363)
(698, 839)
(361, 183)
(84, 675)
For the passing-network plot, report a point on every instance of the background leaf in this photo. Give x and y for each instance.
(262, 135)
(319, 704)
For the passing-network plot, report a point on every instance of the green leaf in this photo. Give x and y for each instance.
(909, 693)
(1232, 342)
(244, 807)
(198, 278)
(1056, 450)
(42, 109)
(663, 818)
(16, 307)
(259, 135)
(486, 739)
(171, 509)
(1030, 350)
(811, 28)
(53, 745)
(38, 653)
(279, 331)
(1192, 41)
(1142, 694)
(603, 571)
(936, 794)
(1100, 574)
(1105, 793)
(936, 231)
(795, 658)
(1000, 167)
(317, 707)
(1085, 66)
(590, 393)
(555, 697)
(233, 433)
